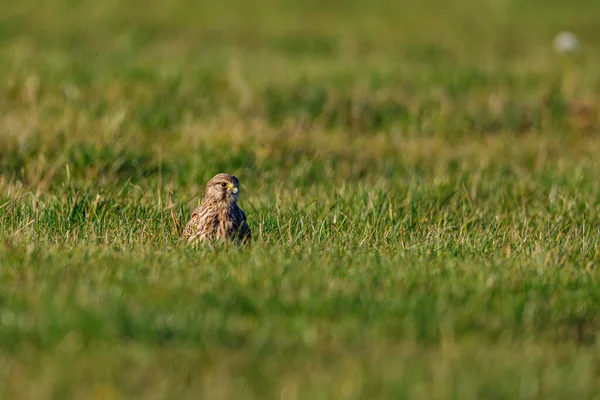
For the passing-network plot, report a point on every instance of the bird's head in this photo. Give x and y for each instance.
(223, 187)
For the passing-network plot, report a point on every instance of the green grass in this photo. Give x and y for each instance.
(422, 180)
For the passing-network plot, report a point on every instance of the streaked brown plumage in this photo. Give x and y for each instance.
(219, 216)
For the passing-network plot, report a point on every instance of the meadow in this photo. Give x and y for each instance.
(422, 180)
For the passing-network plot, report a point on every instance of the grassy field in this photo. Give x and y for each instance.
(422, 180)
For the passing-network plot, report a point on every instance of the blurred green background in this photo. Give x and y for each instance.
(421, 178)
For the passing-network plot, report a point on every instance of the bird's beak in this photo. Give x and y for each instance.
(234, 190)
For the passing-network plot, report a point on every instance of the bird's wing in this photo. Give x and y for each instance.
(244, 232)
(192, 226)
(197, 210)
(203, 224)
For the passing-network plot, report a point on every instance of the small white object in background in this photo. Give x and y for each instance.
(566, 42)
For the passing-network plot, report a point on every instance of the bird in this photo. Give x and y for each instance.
(218, 217)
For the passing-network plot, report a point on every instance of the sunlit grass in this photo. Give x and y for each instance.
(422, 185)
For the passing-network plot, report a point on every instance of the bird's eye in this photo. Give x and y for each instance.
(223, 184)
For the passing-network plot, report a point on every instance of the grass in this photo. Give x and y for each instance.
(423, 186)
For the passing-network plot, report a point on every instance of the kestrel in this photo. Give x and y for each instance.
(219, 216)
